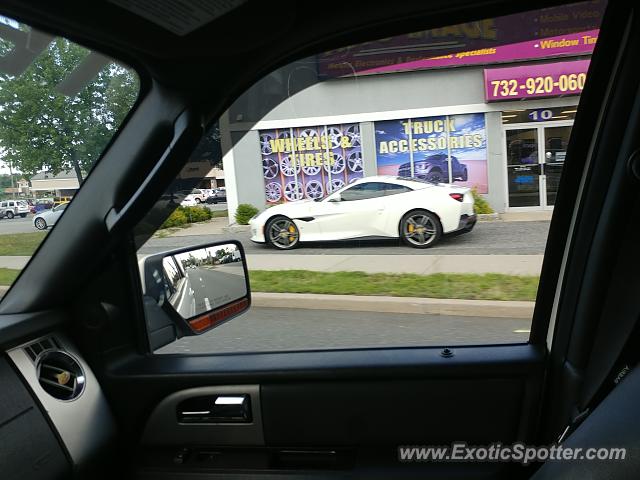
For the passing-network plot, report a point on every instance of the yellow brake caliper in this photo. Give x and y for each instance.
(411, 228)
(292, 229)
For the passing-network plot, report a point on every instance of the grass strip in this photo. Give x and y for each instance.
(490, 286)
(8, 275)
(20, 243)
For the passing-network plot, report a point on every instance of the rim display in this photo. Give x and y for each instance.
(265, 144)
(335, 184)
(314, 190)
(419, 229)
(273, 192)
(311, 170)
(335, 135)
(270, 167)
(40, 224)
(338, 164)
(289, 168)
(283, 135)
(283, 233)
(354, 161)
(293, 191)
(353, 134)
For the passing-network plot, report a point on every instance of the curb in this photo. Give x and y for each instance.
(235, 228)
(488, 217)
(429, 306)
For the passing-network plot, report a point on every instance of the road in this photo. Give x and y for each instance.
(204, 285)
(17, 225)
(488, 238)
(279, 329)
(25, 225)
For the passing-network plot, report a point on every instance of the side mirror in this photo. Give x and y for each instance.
(198, 288)
(336, 198)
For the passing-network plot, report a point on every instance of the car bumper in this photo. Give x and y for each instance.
(257, 233)
(467, 221)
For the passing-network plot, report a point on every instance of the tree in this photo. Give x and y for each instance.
(41, 128)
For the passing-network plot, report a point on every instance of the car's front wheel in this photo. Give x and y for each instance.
(435, 177)
(282, 233)
(40, 224)
(420, 229)
(198, 201)
(10, 214)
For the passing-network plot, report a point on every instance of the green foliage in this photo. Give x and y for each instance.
(43, 128)
(489, 286)
(480, 205)
(8, 275)
(20, 243)
(185, 215)
(244, 212)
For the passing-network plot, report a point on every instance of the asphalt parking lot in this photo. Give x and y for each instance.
(488, 238)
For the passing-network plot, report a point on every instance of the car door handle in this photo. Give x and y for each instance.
(234, 408)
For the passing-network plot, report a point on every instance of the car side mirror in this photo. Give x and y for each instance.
(198, 288)
(337, 198)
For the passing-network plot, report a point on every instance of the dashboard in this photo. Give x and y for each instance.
(53, 415)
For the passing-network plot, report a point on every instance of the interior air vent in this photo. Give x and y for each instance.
(36, 348)
(60, 375)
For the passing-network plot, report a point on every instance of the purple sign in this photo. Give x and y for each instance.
(478, 42)
(581, 43)
(535, 81)
(309, 162)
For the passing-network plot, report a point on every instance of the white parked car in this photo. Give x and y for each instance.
(189, 201)
(414, 210)
(48, 218)
(197, 195)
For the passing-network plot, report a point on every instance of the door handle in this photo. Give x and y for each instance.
(234, 408)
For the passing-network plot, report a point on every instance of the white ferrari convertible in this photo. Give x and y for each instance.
(414, 210)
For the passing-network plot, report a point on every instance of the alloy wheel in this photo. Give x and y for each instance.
(419, 229)
(283, 233)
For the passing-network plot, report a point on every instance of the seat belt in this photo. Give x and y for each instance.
(627, 360)
(615, 347)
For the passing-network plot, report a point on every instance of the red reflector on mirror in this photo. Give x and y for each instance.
(211, 319)
(457, 196)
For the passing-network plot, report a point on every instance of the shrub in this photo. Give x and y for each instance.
(244, 212)
(197, 214)
(184, 215)
(480, 205)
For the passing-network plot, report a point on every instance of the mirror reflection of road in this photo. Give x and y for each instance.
(203, 287)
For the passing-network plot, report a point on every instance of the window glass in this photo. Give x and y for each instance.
(392, 189)
(463, 129)
(363, 191)
(54, 125)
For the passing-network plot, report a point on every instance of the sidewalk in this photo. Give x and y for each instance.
(15, 262)
(212, 227)
(419, 264)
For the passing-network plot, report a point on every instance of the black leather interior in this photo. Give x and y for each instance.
(614, 423)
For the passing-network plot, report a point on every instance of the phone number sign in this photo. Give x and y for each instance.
(535, 81)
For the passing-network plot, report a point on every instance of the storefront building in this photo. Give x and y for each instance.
(495, 119)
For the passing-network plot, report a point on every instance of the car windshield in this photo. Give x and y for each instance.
(60, 105)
